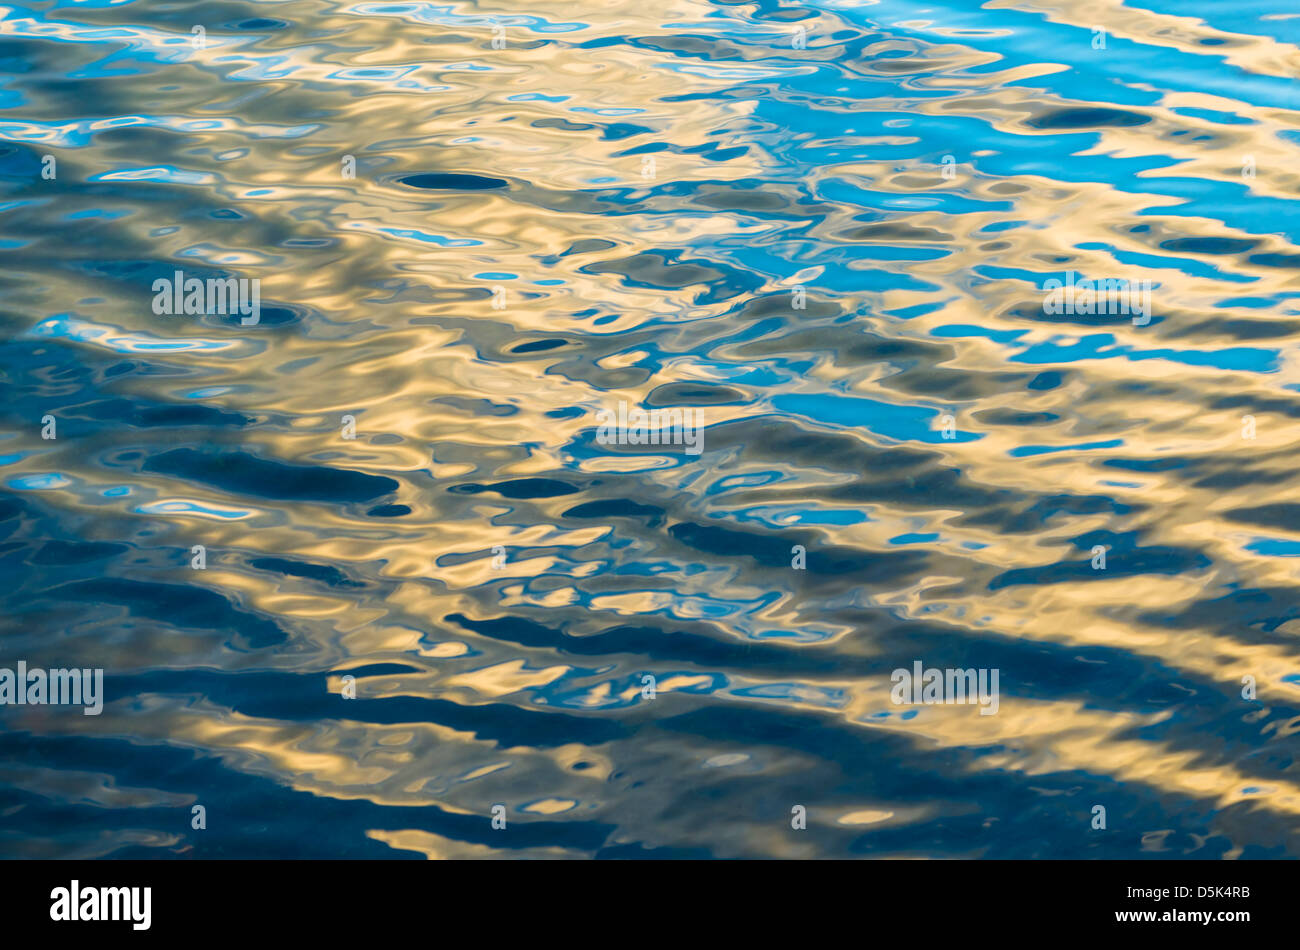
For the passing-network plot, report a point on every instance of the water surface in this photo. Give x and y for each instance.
(828, 227)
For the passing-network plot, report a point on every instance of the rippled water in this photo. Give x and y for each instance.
(829, 227)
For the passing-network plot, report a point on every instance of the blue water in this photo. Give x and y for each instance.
(830, 229)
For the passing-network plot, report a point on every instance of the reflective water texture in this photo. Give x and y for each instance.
(624, 204)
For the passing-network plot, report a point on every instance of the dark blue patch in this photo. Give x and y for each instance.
(520, 488)
(537, 346)
(325, 573)
(178, 605)
(1086, 119)
(451, 182)
(240, 473)
(388, 511)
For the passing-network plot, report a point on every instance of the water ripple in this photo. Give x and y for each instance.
(829, 230)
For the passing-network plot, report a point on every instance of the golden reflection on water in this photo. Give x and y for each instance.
(402, 333)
